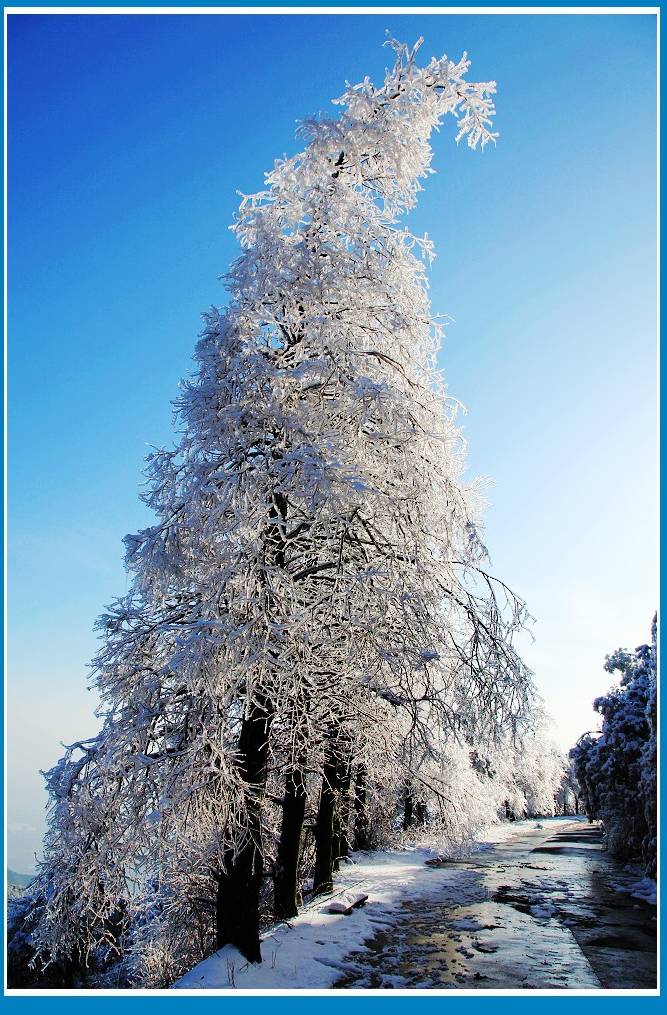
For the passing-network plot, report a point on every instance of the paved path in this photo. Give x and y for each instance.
(539, 913)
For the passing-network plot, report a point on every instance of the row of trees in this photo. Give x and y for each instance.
(312, 641)
(461, 791)
(617, 767)
(445, 799)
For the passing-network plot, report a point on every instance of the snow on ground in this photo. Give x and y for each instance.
(646, 889)
(543, 912)
(637, 886)
(308, 952)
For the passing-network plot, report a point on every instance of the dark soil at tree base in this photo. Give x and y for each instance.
(545, 917)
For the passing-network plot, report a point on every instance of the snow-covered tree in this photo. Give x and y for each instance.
(314, 581)
(649, 757)
(457, 791)
(568, 795)
(537, 776)
(617, 769)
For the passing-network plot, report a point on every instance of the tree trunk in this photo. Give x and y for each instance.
(576, 803)
(286, 880)
(408, 808)
(422, 813)
(344, 809)
(324, 829)
(340, 846)
(360, 809)
(335, 838)
(237, 897)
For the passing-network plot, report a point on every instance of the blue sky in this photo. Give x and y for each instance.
(128, 139)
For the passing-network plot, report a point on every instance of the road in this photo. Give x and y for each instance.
(539, 913)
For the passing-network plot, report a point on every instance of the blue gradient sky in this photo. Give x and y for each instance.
(128, 138)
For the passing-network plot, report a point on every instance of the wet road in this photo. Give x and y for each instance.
(538, 913)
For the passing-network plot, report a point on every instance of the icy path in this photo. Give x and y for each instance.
(543, 916)
(532, 911)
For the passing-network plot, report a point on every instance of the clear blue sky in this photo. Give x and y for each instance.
(128, 138)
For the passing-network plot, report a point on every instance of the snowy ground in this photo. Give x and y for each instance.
(309, 952)
(516, 913)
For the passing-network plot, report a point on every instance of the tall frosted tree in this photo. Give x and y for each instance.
(314, 583)
(617, 768)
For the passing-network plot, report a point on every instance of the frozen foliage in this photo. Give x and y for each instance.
(451, 794)
(313, 595)
(617, 769)
(538, 774)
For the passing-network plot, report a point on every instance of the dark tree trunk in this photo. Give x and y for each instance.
(324, 828)
(576, 803)
(422, 813)
(408, 808)
(360, 809)
(344, 809)
(237, 898)
(71, 973)
(340, 846)
(335, 838)
(286, 881)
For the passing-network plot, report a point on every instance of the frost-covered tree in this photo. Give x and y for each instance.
(617, 769)
(569, 791)
(457, 791)
(314, 581)
(454, 797)
(649, 756)
(537, 775)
